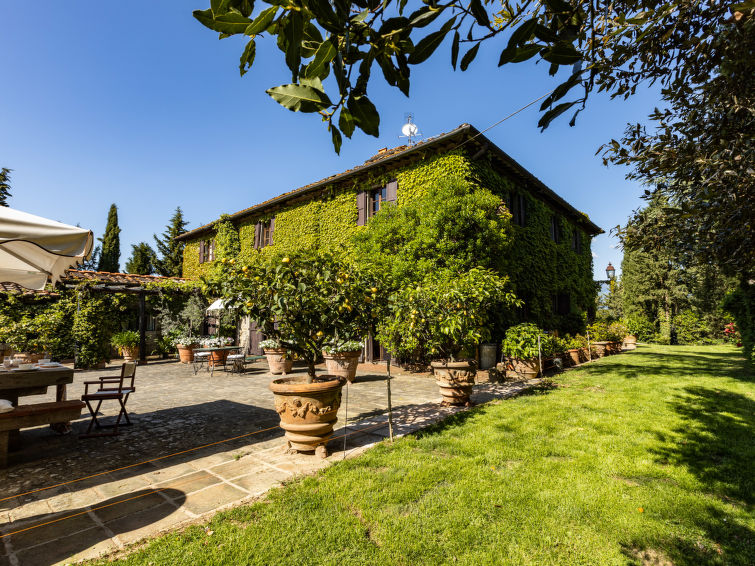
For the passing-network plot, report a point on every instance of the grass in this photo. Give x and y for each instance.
(643, 458)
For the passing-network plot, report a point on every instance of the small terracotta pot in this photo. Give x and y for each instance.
(455, 380)
(524, 369)
(308, 411)
(278, 361)
(130, 354)
(186, 352)
(600, 349)
(342, 364)
(573, 356)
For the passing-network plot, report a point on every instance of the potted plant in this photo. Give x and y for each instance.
(636, 325)
(444, 319)
(300, 302)
(598, 332)
(576, 348)
(342, 358)
(615, 335)
(520, 346)
(278, 358)
(186, 344)
(217, 357)
(127, 343)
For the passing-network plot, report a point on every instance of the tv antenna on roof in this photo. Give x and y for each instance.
(410, 129)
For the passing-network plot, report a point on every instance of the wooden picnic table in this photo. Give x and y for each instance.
(23, 383)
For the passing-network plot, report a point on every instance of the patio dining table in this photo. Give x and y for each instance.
(24, 383)
(211, 363)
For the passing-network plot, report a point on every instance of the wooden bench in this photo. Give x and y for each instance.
(25, 416)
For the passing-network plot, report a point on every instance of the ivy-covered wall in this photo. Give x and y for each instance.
(539, 267)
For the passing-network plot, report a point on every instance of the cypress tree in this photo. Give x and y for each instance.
(4, 186)
(110, 255)
(142, 259)
(170, 261)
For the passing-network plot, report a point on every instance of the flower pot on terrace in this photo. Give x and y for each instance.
(524, 369)
(630, 342)
(130, 353)
(455, 380)
(279, 361)
(342, 364)
(186, 352)
(573, 356)
(218, 357)
(308, 411)
(600, 349)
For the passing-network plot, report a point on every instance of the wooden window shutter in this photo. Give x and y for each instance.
(201, 251)
(390, 191)
(272, 229)
(362, 198)
(257, 235)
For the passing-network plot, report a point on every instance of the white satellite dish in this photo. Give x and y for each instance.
(409, 129)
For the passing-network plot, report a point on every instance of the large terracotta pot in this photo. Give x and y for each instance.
(279, 361)
(573, 356)
(308, 411)
(455, 380)
(342, 364)
(130, 354)
(584, 355)
(630, 342)
(186, 353)
(524, 369)
(600, 349)
(218, 357)
(615, 347)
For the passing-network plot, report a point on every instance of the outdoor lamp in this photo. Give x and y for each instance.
(610, 271)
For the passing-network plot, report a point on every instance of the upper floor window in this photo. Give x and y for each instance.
(519, 209)
(576, 241)
(370, 202)
(555, 229)
(206, 251)
(263, 233)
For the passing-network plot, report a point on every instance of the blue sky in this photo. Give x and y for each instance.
(138, 104)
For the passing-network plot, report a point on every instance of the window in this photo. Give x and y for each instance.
(555, 229)
(377, 198)
(518, 209)
(206, 251)
(576, 240)
(561, 304)
(263, 233)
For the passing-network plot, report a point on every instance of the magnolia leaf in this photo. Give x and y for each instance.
(299, 98)
(478, 11)
(320, 65)
(229, 23)
(430, 43)
(336, 137)
(365, 115)
(346, 122)
(455, 50)
(262, 21)
(247, 57)
(469, 57)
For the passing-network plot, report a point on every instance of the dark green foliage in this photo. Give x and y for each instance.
(691, 328)
(93, 262)
(5, 186)
(142, 260)
(170, 260)
(454, 226)
(741, 304)
(111, 243)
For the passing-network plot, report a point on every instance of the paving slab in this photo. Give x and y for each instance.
(198, 444)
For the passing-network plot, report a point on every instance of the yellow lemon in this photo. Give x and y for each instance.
(285, 260)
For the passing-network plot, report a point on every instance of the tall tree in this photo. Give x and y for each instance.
(142, 260)
(5, 186)
(170, 261)
(110, 255)
(93, 263)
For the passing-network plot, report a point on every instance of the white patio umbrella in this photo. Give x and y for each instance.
(217, 306)
(34, 250)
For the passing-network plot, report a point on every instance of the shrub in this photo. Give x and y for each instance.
(521, 341)
(125, 339)
(616, 332)
(741, 304)
(691, 328)
(338, 347)
(640, 326)
(446, 315)
(598, 332)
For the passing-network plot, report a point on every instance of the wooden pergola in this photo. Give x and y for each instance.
(106, 282)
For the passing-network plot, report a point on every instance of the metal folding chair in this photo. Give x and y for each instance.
(201, 359)
(109, 388)
(237, 362)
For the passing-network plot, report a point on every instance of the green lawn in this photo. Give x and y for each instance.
(643, 458)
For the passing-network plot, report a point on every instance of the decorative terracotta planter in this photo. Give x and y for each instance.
(573, 356)
(630, 342)
(308, 411)
(342, 364)
(615, 347)
(600, 349)
(130, 354)
(186, 352)
(524, 369)
(279, 361)
(455, 380)
(218, 357)
(584, 355)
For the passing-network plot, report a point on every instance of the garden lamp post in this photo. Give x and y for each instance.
(610, 271)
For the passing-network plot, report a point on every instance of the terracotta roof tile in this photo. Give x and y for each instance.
(16, 289)
(73, 275)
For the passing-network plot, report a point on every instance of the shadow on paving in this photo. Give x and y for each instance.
(49, 538)
(47, 458)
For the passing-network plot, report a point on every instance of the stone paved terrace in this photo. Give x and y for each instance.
(132, 490)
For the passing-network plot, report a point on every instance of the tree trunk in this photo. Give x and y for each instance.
(310, 371)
